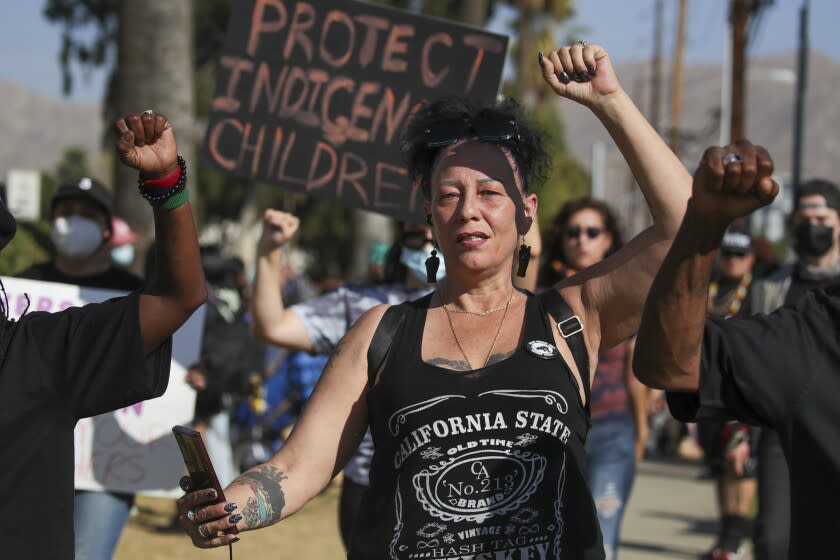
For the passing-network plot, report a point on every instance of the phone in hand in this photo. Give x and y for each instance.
(202, 474)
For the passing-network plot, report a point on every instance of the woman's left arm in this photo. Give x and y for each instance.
(612, 293)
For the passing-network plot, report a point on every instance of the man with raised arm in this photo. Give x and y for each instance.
(56, 368)
(780, 370)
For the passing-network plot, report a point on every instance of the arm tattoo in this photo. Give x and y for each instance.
(266, 504)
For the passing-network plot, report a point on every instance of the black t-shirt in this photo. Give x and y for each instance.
(115, 278)
(479, 464)
(783, 371)
(58, 368)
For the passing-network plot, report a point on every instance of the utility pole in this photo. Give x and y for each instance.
(656, 74)
(801, 88)
(677, 79)
(739, 15)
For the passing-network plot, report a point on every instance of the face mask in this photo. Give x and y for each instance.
(123, 255)
(76, 237)
(415, 261)
(813, 240)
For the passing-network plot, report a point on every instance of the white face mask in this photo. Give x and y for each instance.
(123, 255)
(76, 237)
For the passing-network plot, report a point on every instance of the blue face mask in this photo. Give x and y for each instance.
(415, 261)
(123, 255)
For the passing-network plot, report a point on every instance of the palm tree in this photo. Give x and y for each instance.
(154, 71)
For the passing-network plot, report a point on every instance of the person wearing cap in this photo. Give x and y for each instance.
(81, 213)
(56, 368)
(726, 445)
(780, 371)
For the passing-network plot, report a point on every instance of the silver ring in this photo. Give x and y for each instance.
(190, 515)
(148, 112)
(201, 532)
(731, 158)
(582, 43)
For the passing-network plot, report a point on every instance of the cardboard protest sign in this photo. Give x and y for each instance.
(312, 96)
(132, 449)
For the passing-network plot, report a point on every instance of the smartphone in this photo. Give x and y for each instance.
(198, 461)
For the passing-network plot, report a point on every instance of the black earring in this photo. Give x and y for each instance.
(524, 258)
(432, 264)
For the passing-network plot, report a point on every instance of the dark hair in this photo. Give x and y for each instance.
(819, 187)
(549, 273)
(529, 152)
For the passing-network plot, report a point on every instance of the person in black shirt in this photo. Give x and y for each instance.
(727, 449)
(82, 228)
(480, 411)
(57, 368)
(815, 228)
(780, 370)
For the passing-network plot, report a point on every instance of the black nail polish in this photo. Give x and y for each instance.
(540, 57)
(235, 539)
(234, 519)
(591, 70)
(564, 77)
(578, 77)
(229, 507)
(211, 494)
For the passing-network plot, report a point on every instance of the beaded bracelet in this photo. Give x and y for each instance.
(170, 198)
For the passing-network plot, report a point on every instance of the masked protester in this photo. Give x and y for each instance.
(82, 232)
(815, 229)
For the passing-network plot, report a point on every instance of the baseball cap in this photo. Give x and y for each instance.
(737, 241)
(86, 187)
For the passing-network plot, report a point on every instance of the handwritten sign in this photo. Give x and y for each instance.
(132, 449)
(312, 96)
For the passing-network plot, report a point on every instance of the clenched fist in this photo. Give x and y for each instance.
(146, 143)
(278, 228)
(733, 181)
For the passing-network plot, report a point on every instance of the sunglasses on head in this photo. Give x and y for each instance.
(591, 232)
(415, 239)
(487, 128)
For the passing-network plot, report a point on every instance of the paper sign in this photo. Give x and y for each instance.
(132, 449)
(313, 96)
(23, 194)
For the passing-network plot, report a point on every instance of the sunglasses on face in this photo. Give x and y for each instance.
(731, 254)
(487, 128)
(415, 239)
(591, 232)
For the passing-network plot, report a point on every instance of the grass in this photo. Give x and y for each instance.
(312, 533)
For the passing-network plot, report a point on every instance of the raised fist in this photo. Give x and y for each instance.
(733, 181)
(581, 72)
(146, 143)
(278, 228)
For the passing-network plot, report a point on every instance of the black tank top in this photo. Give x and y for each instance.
(483, 464)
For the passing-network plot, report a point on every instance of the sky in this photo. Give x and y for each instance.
(29, 45)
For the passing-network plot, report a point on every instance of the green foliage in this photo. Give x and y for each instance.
(25, 249)
(567, 179)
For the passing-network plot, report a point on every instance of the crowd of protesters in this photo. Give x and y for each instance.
(266, 343)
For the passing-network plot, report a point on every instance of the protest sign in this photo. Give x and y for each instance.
(312, 96)
(132, 449)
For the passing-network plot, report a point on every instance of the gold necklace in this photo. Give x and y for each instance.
(495, 338)
(479, 313)
(737, 299)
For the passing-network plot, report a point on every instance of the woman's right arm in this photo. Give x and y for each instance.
(272, 321)
(329, 431)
